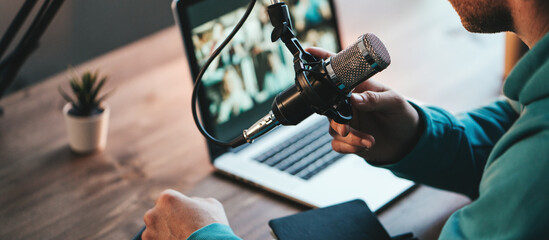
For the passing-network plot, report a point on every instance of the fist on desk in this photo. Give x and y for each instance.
(176, 216)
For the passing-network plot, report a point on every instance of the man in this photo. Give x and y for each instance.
(497, 155)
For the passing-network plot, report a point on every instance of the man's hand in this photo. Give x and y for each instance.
(384, 128)
(176, 216)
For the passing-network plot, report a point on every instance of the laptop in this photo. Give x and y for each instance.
(296, 162)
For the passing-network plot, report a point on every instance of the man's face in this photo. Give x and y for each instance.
(484, 16)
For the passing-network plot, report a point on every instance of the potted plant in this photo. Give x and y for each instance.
(86, 115)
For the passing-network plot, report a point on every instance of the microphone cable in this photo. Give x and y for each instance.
(198, 81)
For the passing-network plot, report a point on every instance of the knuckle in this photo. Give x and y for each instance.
(355, 140)
(332, 132)
(398, 101)
(149, 218)
(168, 192)
(198, 199)
(338, 147)
(167, 197)
(147, 234)
(371, 97)
(396, 98)
(335, 135)
(345, 148)
(335, 146)
(333, 125)
(212, 200)
(336, 129)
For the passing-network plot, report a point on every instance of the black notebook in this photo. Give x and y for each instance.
(350, 220)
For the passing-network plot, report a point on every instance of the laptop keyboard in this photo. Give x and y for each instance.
(305, 155)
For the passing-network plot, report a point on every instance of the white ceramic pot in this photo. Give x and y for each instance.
(87, 134)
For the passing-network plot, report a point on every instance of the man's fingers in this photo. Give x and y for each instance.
(370, 85)
(354, 138)
(147, 234)
(343, 147)
(375, 101)
(341, 129)
(150, 218)
(210, 201)
(319, 52)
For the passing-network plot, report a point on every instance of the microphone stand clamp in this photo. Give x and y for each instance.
(279, 15)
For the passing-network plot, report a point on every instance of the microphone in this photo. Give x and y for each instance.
(323, 87)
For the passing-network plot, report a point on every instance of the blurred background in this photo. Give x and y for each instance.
(82, 30)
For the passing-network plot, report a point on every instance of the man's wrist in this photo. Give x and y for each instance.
(213, 231)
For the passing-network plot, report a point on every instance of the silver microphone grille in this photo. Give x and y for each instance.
(358, 62)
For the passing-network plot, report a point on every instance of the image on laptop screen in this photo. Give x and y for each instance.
(241, 83)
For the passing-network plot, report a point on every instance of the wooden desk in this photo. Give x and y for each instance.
(47, 192)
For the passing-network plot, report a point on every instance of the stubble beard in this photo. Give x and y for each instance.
(484, 16)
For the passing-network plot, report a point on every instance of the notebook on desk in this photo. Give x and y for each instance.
(350, 220)
(296, 162)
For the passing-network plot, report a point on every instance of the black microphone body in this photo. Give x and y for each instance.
(290, 107)
(313, 92)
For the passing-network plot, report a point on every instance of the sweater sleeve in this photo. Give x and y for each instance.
(452, 151)
(214, 231)
(513, 196)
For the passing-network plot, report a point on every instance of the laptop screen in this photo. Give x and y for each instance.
(241, 83)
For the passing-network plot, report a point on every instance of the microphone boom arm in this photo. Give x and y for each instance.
(283, 30)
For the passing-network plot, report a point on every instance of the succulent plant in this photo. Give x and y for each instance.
(86, 90)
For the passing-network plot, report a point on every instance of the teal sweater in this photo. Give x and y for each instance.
(497, 155)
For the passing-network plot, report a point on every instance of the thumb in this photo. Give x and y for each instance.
(319, 52)
(374, 101)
